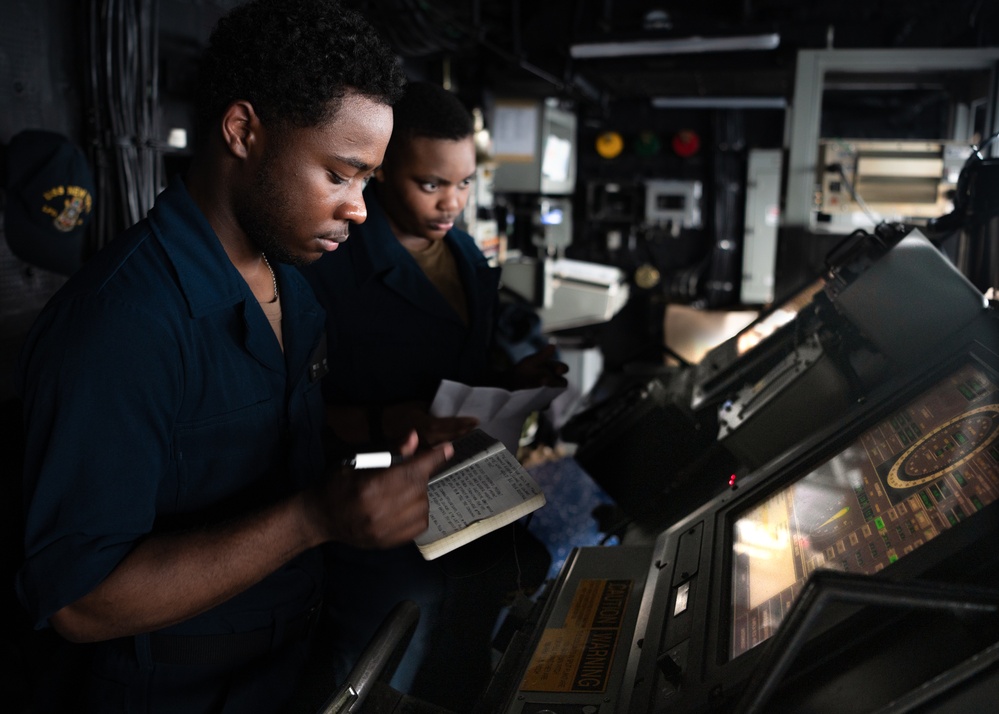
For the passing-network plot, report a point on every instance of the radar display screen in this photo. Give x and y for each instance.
(911, 476)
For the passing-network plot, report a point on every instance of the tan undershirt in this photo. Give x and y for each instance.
(439, 266)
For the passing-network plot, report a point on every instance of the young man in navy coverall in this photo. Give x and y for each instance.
(174, 479)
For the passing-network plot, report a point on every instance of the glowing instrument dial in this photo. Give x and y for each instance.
(947, 447)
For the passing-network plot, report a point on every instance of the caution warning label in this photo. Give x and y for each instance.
(577, 656)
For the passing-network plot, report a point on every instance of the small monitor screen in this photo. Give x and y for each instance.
(552, 217)
(770, 323)
(904, 481)
(671, 202)
(557, 155)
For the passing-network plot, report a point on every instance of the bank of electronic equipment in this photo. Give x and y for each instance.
(886, 302)
(857, 571)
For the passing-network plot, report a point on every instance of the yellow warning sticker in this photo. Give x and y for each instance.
(577, 656)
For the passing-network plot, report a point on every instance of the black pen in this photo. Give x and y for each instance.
(372, 460)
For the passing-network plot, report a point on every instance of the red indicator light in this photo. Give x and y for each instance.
(731, 480)
(686, 143)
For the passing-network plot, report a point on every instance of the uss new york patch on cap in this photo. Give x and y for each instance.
(49, 200)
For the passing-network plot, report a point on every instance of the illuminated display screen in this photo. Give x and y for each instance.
(904, 481)
(766, 326)
(552, 217)
(555, 163)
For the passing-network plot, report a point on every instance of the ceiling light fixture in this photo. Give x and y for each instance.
(719, 102)
(674, 46)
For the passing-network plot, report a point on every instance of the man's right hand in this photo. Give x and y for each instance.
(379, 508)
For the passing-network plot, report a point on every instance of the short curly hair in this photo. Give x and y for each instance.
(428, 110)
(294, 61)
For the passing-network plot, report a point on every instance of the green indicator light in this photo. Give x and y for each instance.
(880, 523)
(892, 558)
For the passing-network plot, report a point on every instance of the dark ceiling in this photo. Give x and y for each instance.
(512, 45)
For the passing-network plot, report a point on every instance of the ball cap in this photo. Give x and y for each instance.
(50, 193)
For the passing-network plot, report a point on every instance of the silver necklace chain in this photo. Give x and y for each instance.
(273, 275)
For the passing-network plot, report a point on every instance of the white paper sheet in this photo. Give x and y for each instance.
(501, 413)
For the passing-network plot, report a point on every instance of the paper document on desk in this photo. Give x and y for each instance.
(501, 413)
